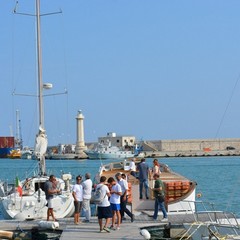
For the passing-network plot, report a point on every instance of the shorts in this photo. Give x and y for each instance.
(104, 212)
(78, 206)
(115, 206)
(50, 203)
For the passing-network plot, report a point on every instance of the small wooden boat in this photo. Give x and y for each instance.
(179, 190)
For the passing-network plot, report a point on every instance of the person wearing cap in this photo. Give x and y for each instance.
(87, 191)
(124, 197)
(77, 193)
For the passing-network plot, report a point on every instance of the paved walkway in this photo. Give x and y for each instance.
(128, 230)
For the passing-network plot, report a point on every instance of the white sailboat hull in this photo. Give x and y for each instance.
(32, 205)
(24, 208)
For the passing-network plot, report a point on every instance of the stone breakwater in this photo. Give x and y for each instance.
(192, 147)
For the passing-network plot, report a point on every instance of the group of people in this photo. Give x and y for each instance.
(113, 207)
(81, 191)
(143, 175)
(115, 191)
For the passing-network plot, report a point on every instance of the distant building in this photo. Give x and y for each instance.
(119, 141)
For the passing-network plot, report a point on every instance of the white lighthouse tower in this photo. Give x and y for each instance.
(80, 145)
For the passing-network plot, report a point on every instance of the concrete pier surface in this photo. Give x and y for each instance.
(70, 231)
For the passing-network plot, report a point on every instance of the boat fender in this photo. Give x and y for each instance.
(48, 225)
(6, 234)
(145, 233)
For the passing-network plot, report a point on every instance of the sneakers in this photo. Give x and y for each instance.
(106, 229)
(114, 228)
(164, 220)
(86, 221)
(111, 227)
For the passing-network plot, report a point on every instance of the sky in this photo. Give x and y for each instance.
(153, 69)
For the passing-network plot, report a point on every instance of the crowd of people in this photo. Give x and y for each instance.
(113, 206)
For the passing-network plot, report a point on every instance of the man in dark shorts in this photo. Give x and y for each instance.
(77, 192)
(104, 208)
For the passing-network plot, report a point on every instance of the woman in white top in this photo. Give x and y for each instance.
(156, 168)
(77, 193)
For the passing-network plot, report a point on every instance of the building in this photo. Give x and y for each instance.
(119, 141)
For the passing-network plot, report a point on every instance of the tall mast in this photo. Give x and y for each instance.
(39, 61)
(41, 140)
(18, 139)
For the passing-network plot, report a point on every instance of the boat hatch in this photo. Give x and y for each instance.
(39, 185)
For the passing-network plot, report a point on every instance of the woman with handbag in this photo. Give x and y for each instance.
(159, 198)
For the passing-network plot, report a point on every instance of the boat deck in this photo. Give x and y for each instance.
(91, 230)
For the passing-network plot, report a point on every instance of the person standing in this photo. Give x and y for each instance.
(77, 193)
(50, 189)
(159, 197)
(143, 178)
(156, 167)
(104, 209)
(132, 168)
(87, 191)
(124, 197)
(116, 193)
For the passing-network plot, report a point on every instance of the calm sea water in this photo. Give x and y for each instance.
(218, 178)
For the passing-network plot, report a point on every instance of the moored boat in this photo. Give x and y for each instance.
(179, 190)
(109, 152)
(27, 200)
(15, 153)
(204, 223)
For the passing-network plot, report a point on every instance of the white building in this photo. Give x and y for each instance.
(119, 141)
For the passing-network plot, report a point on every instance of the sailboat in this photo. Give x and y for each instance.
(27, 199)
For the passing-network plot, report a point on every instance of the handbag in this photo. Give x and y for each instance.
(160, 198)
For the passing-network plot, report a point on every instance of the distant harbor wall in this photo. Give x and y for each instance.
(192, 147)
(188, 147)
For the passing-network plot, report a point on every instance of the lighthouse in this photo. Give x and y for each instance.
(80, 145)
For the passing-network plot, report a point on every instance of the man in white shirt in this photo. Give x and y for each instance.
(124, 197)
(87, 191)
(104, 209)
(116, 193)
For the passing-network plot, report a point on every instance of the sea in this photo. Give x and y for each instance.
(218, 178)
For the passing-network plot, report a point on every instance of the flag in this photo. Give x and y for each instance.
(18, 186)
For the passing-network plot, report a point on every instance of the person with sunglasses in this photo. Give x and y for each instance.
(77, 192)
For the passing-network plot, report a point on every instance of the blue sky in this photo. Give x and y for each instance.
(153, 69)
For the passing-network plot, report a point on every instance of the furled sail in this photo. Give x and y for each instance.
(41, 148)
